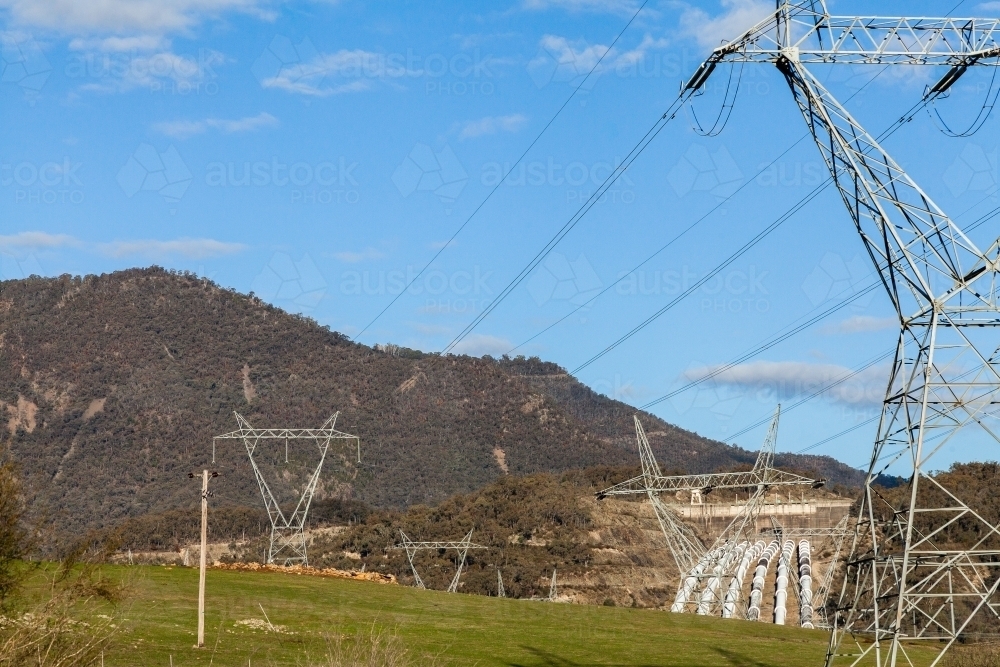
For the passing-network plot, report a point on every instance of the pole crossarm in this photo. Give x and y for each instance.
(288, 530)
(461, 546)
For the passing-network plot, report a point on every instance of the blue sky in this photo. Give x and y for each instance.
(320, 154)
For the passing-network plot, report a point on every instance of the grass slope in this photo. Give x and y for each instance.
(457, 629)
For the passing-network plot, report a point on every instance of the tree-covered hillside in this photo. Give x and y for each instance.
(112, 386)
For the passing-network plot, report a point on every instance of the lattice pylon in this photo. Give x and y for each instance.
(461, 546)
(288, 539)
(907, 580)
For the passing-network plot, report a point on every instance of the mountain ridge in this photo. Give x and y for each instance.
(112, 387)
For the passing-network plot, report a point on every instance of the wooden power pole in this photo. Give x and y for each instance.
(205, 475)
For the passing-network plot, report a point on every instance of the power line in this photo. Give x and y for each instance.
(496, 187)
(613, 177)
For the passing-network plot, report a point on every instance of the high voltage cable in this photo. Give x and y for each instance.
(766, 345)
(677, 237)
(636, 151)
(905, 118)
(822, 390)
(501, 181)
(666, 245)
(770, 343)
(587, 205)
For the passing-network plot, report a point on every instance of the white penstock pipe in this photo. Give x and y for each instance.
(710, 593)
(781, 583)
(805, 585)
(757, 590)
(691, 582)
(736, 585)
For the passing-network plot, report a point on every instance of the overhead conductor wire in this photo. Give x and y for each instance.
(496, 187)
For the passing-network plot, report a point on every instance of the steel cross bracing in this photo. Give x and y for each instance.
(288, 539)
(684, 545)
(462, 546)
(906, 580)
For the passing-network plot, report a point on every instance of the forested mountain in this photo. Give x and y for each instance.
(112, 386)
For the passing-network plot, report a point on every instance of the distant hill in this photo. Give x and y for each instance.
(112, 386)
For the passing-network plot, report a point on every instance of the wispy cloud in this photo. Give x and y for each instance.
(156, 71)
(737, 17)
(492, 125)
(121, 16)
(130, 44)
(33, 241)
(184, 247)
(861, 324)
(780, 380)
(183, 129)
(478, 345)
(365, 255)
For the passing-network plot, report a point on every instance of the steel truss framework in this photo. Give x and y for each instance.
(904, 581)
(462, 547)
(818, 537)
(288, 539)
(707, 570)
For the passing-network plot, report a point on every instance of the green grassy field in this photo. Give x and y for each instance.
(459, 629)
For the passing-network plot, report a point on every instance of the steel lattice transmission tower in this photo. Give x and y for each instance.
(688, 551)
(462, 547)
(288, 540)
(904, 581)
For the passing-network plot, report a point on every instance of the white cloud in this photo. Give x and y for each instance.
(317, 74)
(120, 44)
(185, 247)
(156, 71)
(862, 324)
(492, 125)
(438, 245)
(781, 380)
(182, 129)
(737, 17)
(633, 56)
(477, 345)
(604, 6)
(126, 16)
(355, 257)
(584, 57)
(32, 241)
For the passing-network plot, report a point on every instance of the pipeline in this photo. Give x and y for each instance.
(805, 585)
(781, 583)
(691, 582)
(736, 585)
(708, 596)
(757, 591)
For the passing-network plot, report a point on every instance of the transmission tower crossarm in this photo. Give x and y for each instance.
(718, 480)
(815, 37)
